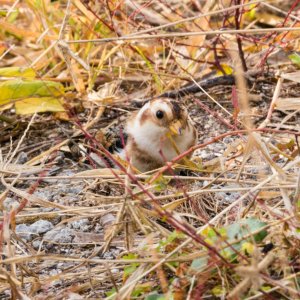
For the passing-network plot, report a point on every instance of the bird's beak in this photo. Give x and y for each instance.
(176, 128)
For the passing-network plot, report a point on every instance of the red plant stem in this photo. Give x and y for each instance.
(215, 41)
(214, 114)
(264, 59)
(23, 203)
(235, 104)
(237, 18)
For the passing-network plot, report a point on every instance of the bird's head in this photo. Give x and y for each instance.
(166, 114)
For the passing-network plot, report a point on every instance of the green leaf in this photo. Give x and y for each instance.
(31, 96)
(13, 15)
(142, 288)
(295, 58)
(218, 291)
(199, 264)
(111, 292)
(35, 105)
(149, 65)
(248, 247)
(266, 288)
(155, 296)
(17, 72)
(237, 230)
(233, 232)
(171, 238)
(226, 68)
(175, 235)
(161, 183)
(132, 267)
(251, 13)
(245, 227)
(13, 90)
(130, 256)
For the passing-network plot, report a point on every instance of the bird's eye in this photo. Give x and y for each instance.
(159, 114)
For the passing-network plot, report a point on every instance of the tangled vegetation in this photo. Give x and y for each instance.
(223, 226)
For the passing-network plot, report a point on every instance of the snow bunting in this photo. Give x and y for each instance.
(157, 133)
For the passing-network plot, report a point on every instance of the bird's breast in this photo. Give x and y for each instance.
(153, 141)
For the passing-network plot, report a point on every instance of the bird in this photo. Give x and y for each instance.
(157, 133)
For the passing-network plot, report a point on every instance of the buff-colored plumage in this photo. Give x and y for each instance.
(157, 133)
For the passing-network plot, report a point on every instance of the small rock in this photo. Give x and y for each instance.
(76, 189)
(227, 197)
(62, 182)
(60, 158)
(54, 272)
(36, 244)
(82, 224)
(41, 226)
(9, 204)
(22, 158)
(44, 194)
(60, 235)
(98, 228)
(111, 254)
(25, 232)
(108, 255)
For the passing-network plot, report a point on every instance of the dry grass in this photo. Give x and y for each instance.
(228, 228)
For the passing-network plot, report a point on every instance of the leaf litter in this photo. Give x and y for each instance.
(226, 226)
